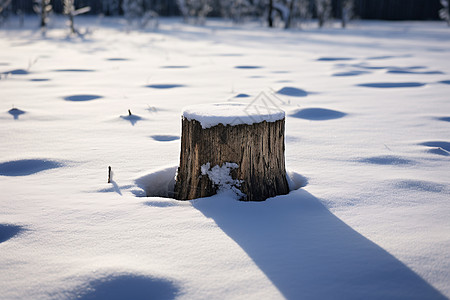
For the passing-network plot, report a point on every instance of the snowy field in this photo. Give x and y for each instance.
(367, 131)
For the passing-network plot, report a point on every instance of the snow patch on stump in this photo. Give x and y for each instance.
(221, 177)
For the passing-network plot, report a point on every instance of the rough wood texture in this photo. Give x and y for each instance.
(258, 149)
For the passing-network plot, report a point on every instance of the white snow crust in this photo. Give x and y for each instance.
(210, 115)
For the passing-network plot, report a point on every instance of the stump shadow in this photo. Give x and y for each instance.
(8, 231)
(136, 287)
(309, 253)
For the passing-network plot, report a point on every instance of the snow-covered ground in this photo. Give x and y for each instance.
(368, 126)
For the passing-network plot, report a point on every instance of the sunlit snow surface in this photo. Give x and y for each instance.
(367, 132)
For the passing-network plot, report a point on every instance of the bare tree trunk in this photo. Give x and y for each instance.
(289, 19)
(270, 17)
(257, 150)
(72, 27)
(43, 13)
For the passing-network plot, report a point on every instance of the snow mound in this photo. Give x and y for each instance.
(295, 180)
(210, 115)
(159, 183)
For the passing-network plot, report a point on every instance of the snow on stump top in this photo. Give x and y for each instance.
(210, 115)
(232, 146)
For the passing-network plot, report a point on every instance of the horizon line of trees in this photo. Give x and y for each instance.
(275, 13)
(365, 9)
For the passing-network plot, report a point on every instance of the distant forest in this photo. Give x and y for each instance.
(364, 9)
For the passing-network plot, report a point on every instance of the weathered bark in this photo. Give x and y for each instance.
(257, 149)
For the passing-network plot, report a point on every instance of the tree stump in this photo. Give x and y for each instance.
(232, 146)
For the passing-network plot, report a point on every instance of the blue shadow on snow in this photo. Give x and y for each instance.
(136, 287)
(26, 167)
(439, 144)
(445, 119)
(164, 86)
(242, 95)
(308, 253)
(318, 114)
(247, 67)
(117, 59)
(15, 112)
(165, 138)
(387, 160)
(437, 147)
(334, 59)
(389, 85)
(175, 67)
(39, 79)
(133, 119)
(350, 73)
(8, 231)
(292, 91)
(420, 185)
(400, 71)
(17, 72)
(81, 98)
(74, 70)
